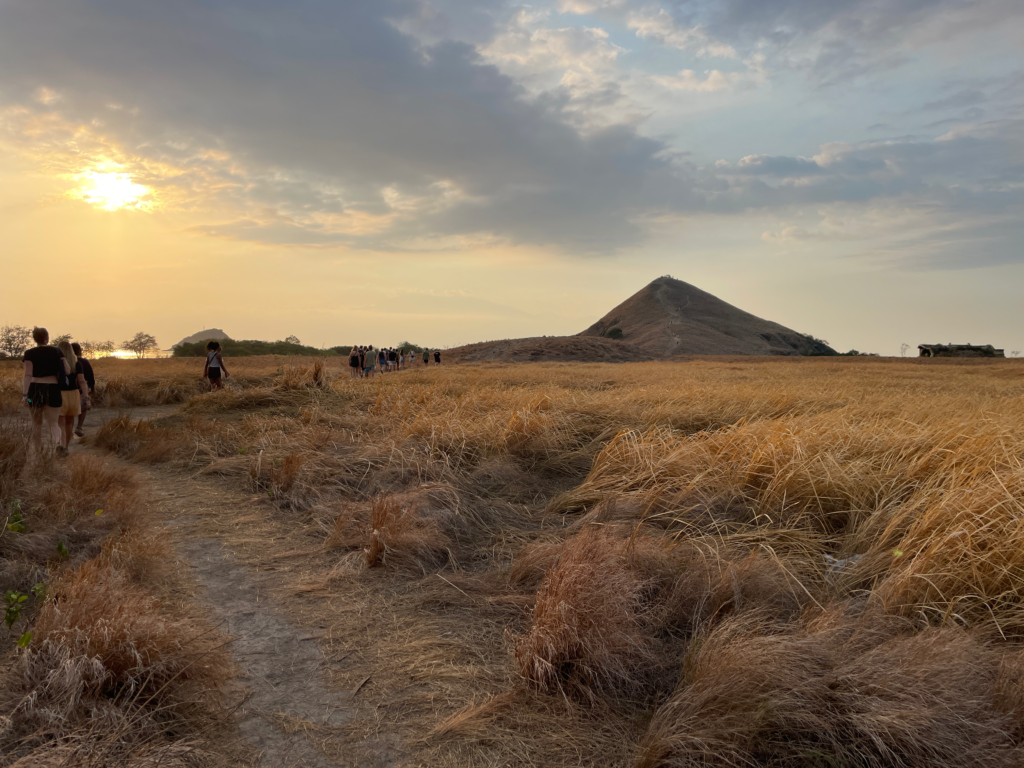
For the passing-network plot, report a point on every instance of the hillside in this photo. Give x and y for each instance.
(546, 348)
(204, 335)
(670, 317)
(665, 319)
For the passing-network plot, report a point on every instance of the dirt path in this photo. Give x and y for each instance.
(288, 715)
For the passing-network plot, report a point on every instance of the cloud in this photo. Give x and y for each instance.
(829, 40)
(837, 39)
(333, 126)
(572, 69)
(756, 165)
(714, 79)
(660, 27)
(331, 106)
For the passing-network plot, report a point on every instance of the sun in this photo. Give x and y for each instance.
(112, 191)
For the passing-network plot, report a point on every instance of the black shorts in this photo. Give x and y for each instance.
(43, 395)
(213, 374)
(353, 362)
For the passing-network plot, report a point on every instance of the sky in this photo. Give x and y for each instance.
(450, 171)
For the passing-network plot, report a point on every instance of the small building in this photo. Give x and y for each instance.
(958, 350)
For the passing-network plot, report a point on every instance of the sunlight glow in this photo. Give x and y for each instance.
(112, 191)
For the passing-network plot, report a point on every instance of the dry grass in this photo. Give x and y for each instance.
(106, 661)
(612, 531)
(108, 676)
(846, 690)
(14, 447)
(588, 633)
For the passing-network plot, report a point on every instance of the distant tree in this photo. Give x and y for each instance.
(614, 333)
(292, 340)
(903, 349)
(14, 340)
(94, 348)
(815, 347)
(140, 344)
(62, 338)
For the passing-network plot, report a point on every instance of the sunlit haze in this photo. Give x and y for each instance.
(447, 171)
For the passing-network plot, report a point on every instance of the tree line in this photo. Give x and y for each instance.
(15, 339)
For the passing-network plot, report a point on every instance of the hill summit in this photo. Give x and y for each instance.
(670, 317)
(204, 335)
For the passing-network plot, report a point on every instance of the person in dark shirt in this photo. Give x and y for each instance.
(40, 389)
(90, 382)
(437, 357)
(72, 392)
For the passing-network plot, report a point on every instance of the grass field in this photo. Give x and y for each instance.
(733, 562)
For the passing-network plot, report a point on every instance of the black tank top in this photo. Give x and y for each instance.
(46, 361)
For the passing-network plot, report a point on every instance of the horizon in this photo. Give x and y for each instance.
(449, 172)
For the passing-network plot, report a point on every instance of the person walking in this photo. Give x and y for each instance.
(40, 389)
(90, 382)
(371, 361)
(362, 361)
(437, 357)
(354, 367)
(426, 357)
(215, 366)
(382, 360)
(73, 393)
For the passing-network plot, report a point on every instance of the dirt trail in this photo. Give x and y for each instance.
(288, 714)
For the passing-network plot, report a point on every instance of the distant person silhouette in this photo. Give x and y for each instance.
(215, 366)
(437, 357)
(426, 357)
(371, 358)
(90, 382)
(354, 366)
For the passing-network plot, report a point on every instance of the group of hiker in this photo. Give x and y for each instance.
(58, 383)
(57, 387)
(364, 362)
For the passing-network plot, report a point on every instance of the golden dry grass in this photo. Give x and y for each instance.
(94, 670)
(610, 533)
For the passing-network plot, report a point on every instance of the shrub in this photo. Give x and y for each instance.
(614, 333)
